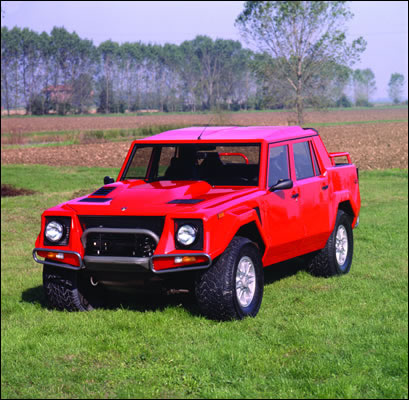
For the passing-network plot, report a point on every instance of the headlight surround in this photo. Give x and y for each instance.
(54, 231)
(57, 230)
(183, 237)
(186, 235)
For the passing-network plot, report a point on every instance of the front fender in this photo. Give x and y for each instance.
(222, 228)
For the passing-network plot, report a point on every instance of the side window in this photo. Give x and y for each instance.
(314, 159)
(278, 164)
(138, 169)
(302, 161)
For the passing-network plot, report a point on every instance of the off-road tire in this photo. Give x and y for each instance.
(70, 290)
(215, 288)
(324, 262)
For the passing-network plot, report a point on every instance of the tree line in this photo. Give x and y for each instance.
(63, 73)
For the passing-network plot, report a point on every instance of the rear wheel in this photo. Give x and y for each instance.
(336, 257)
(232, 288)
(70, 290)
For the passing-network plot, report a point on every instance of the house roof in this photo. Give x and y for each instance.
(232, 134)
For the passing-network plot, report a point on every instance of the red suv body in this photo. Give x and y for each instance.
(205, 209)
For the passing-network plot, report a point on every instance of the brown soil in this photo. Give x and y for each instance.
(9, 191)
(49, 124)
(372, 146)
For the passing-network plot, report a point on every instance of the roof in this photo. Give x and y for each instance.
(231, 133)
(58, 88)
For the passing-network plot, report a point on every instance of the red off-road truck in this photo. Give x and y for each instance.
(204, 209)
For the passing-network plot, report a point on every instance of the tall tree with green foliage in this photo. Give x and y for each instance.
(395, 87)
(364, 86)
(304, 38)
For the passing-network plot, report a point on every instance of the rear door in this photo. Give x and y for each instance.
(313, 195)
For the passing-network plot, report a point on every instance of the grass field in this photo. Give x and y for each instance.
(344, 337)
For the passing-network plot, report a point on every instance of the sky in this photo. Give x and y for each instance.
(383, 24)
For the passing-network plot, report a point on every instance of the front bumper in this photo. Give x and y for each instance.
(130, 263)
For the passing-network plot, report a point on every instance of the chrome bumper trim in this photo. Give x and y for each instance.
(144, 262)
(61, 265)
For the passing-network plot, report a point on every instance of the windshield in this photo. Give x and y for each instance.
(217, 164)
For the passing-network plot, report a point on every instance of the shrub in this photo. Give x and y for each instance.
(363, 103)
(343, 101)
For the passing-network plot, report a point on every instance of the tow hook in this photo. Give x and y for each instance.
(91, 279)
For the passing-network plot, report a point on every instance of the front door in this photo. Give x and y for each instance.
(281, 211)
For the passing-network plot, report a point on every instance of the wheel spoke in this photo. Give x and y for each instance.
(341, 245)
(245, 281)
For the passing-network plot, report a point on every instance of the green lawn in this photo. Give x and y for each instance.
(344, 337)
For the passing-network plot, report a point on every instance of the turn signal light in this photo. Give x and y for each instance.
(185, 259)
(60, 256)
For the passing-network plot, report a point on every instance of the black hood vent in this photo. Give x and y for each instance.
(103, 191)
(185, 201)
(95, 199)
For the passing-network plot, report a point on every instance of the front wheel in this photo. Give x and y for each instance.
(232, 288)
(70, 290)
(336, 257)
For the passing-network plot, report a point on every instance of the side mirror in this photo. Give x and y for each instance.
(108, 179)
(282, 184)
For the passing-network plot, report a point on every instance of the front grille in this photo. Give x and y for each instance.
(116, 244)
(119, 244)
(154, 224)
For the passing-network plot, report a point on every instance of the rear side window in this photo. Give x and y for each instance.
(302, 161)
(278, 165)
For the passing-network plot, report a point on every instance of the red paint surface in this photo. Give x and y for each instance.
(290, 225)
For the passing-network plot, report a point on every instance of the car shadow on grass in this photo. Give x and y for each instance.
(35, 295)
(135, 300)
(158, 301)
(282, 270)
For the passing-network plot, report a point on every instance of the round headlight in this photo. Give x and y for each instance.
(54, 231)
(186, 235)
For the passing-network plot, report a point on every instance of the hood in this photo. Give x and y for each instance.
(160, 198)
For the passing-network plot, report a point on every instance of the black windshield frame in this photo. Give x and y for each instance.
(151, 171)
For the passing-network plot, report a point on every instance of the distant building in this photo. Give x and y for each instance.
(59, 93)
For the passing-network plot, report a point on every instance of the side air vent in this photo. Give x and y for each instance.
(185, 201)
(103, 191)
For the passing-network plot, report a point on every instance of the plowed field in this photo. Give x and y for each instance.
(372, 146)
(52, 124)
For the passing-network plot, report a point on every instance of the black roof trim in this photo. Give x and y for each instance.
(313, 129)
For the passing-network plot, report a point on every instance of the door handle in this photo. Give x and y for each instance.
(295, 195)
(325, 187)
